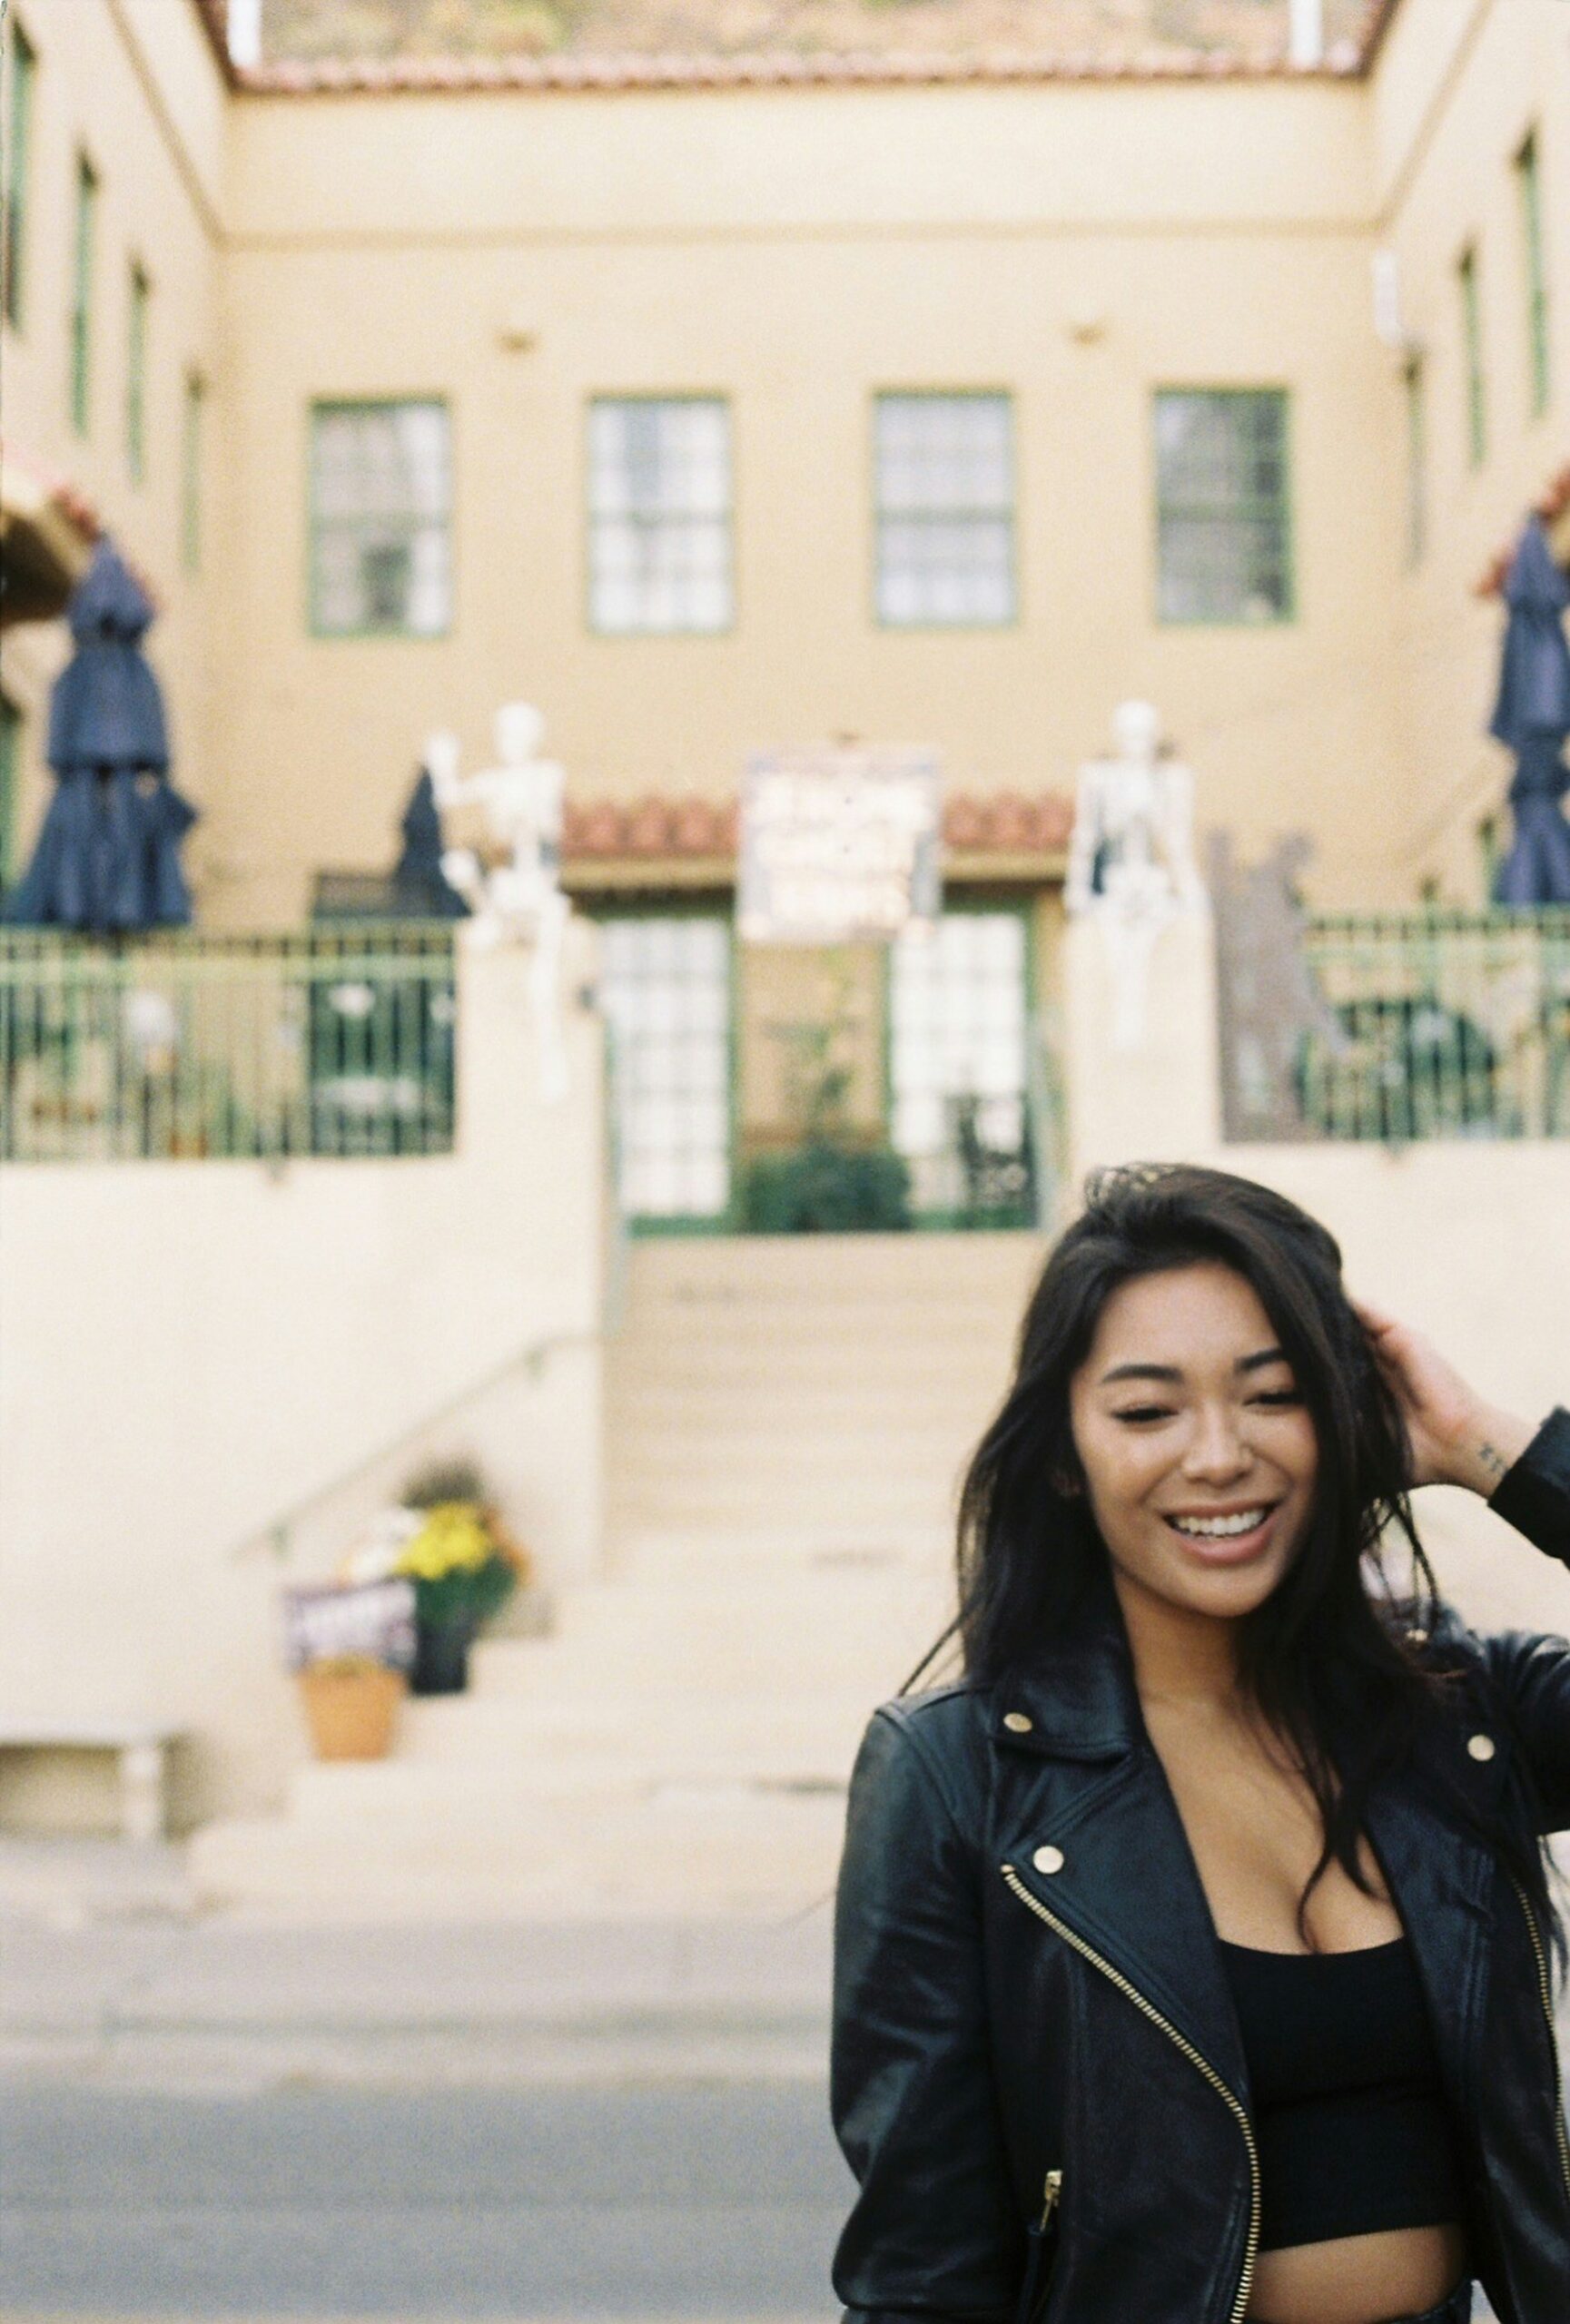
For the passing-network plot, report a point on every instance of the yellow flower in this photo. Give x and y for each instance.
(453, 1538)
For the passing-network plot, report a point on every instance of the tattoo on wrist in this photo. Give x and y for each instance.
(1494, 1464)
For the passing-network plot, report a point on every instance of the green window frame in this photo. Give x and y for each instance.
(1474, 375)
(138, 313)
(82, 294)
(10, 785)
(944, 496)
(1539, 359)
(1416, 389)
(1224, 548)
(191, 435)
(22, 65)
(380, 523)
(661, 516)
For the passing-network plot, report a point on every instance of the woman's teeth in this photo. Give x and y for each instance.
(1218, 1529)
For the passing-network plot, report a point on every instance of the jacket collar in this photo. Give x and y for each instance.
(1076, 1697)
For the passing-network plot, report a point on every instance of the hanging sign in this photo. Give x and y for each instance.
(838, 845)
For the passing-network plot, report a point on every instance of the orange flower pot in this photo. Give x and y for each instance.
(352, 1707)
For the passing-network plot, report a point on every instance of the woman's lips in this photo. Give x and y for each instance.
(1228, 1548)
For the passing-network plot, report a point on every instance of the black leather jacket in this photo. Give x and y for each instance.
(1027, 1980)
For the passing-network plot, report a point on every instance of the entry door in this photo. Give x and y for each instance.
(665, 982)
(960, 1066)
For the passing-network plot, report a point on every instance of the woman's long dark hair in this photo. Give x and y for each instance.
(1326, 1659)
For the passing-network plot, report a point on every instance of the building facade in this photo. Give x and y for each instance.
(717, 405)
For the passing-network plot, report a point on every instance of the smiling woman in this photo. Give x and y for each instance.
(1193, 1952)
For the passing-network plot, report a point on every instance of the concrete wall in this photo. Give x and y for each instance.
(1459, 85)
(192, 1349)
(134, 85)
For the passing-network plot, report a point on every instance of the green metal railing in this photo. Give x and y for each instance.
(182, 1047)
(1437, 1024)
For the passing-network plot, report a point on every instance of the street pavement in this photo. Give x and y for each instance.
(546, 2122)
(689, 2201)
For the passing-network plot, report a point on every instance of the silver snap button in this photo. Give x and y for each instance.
(1017, 1722)
(1481, 1746)
(1048, 1859)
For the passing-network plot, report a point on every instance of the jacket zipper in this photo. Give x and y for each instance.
(1546, 1993)
(1148, 2009)
(1051, 2196)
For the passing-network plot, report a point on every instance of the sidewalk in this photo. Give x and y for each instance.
(106, 1972)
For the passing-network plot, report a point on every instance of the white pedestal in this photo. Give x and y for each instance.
(1160, 1101)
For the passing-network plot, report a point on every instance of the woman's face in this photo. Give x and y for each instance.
(1198, 1456)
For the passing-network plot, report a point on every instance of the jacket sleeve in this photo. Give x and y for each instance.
(1532, 1673)
(932, 2236)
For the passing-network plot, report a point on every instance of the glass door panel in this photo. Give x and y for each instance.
(960, 1066)
(665, 982)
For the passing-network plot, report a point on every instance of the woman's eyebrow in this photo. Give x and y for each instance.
(1259, 1362)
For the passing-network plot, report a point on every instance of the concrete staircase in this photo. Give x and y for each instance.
(787, 1423)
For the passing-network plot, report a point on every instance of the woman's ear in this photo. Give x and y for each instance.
(1066, 1483)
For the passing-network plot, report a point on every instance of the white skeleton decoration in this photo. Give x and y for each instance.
(1132, 865)
(520, 896)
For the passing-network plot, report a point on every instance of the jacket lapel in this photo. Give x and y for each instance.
(1442, 1883)
(1078, 1780)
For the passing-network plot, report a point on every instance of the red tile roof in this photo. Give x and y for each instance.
(332, 46)
(405, 75)
(665, 829)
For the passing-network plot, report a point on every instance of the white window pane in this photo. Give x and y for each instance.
(659, 500)
(381, 501)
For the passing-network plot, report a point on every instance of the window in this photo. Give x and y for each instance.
(1416, 462)
(10, 784)
(1223, 519)
(380, 519)
(18, 132)
(659, 491)
(136, 374)
(944, 470)
(1529, 178)
(665, 984)
(1472, 358)
(82, 293)
(190, 474)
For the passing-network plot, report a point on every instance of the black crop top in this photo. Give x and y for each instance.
(1354, 2132)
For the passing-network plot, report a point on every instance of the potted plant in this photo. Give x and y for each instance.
(463, 1565)
(351, 1706)
(351, 1645)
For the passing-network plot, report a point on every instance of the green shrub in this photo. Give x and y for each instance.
(824, 1188)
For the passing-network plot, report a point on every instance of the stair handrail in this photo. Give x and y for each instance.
(532, 1357)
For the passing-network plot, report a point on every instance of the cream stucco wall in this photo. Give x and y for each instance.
(798, 251)
(1459, 86)
(193, 1350)
(134, 85)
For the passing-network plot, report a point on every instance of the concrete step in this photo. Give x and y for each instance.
(698, 1854)
(682, 1557)
(554, 1744)
(799, 1264)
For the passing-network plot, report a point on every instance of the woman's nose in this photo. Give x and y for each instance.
(1218, 1450)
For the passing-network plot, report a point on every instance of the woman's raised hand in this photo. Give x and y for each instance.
(1456, 1438)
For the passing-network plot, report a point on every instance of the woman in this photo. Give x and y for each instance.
(1193, 1952)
